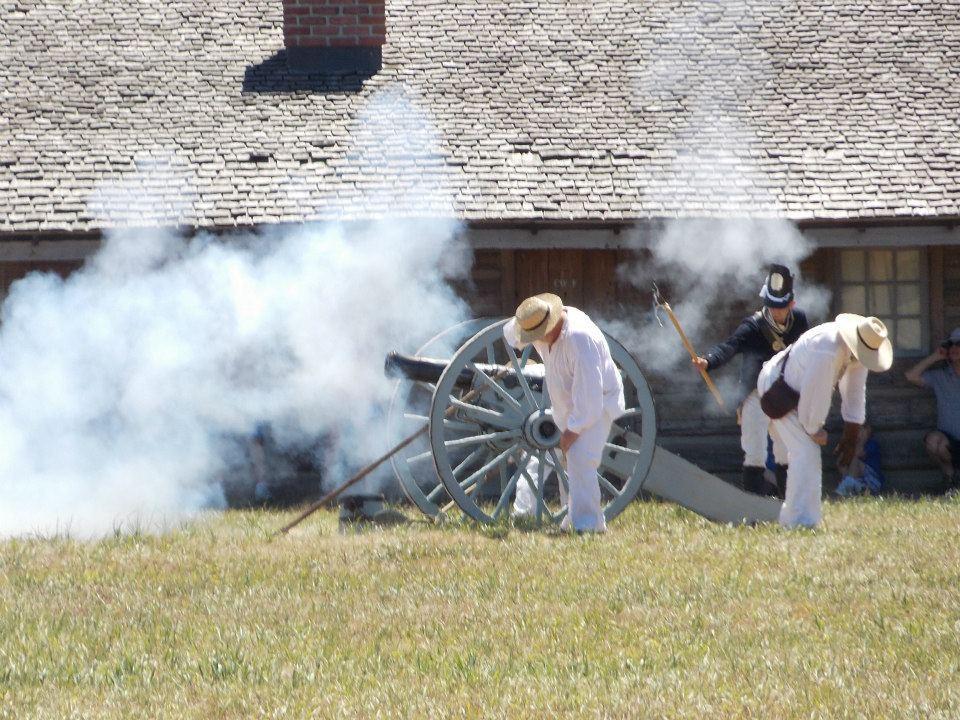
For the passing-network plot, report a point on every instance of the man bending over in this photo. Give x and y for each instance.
(586, 391)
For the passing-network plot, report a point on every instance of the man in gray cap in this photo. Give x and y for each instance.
(943, 444)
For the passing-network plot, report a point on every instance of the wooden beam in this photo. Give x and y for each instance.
(937, 314)
(532, 272)
(884, 236)
(599, 282)
(47, 250)
(642, 234)
(508, 282)
(565, 269)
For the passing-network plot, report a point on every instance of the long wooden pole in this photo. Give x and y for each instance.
(693, 354)
(349, 483)
(377, 463)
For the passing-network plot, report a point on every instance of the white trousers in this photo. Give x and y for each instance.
(525, 501)
(801, 507)
(754, 428)
(583, 500)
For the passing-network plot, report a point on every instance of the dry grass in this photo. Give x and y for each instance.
(665, 616)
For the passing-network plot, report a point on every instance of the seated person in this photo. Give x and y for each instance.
(943, 444)
(863, 475)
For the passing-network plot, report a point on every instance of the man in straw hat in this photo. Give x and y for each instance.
(586, 391)
(943, 444)
(835, 354)
(758, 337)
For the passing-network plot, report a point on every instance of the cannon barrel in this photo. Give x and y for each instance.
(429, 370)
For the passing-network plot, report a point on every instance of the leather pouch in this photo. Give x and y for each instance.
(780, 399)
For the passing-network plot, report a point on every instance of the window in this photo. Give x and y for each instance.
(890, 284)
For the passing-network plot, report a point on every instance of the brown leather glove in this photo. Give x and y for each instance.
(847, 447)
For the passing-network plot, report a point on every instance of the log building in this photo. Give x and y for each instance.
(553, 129)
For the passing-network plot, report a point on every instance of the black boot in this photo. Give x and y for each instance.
(753, 481)
(781, 472)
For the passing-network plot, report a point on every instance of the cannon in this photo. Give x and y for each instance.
(429, 370)
(490, 428)
(477, 452)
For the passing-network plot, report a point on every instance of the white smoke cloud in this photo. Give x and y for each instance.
(705, 267)
(393, 154)
(716, 258)
(122, 386)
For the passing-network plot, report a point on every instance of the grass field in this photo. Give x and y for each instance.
(665, 616)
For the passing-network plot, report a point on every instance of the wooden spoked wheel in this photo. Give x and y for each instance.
(486, 447)
(409, 412)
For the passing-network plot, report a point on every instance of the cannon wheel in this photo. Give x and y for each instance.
(483, 448)
(409, 410)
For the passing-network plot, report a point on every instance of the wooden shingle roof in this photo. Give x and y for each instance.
(496, 110)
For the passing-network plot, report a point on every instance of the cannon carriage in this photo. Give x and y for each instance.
(490, 435)
(479, 429)
(478, 451)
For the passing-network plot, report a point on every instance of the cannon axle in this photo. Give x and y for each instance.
(540, 431)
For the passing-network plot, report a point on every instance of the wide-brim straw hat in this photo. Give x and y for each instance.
(868, 340)
(538, 315)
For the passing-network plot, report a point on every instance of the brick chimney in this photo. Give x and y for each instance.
(334, 36)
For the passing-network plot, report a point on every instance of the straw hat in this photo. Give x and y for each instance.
(538, 315)
(867, 339)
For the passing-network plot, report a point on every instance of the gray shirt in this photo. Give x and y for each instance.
(945, 384)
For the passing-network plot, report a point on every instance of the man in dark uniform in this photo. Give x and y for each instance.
(758, 338)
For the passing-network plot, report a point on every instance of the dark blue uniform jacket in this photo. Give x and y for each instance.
(750, 341)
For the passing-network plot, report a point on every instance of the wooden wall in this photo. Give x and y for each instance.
(11, 271)
(588, 278)
(951, 288)
(900, 413)
(583, 278)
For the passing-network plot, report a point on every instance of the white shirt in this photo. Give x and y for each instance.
(820, 361)
(582, 380)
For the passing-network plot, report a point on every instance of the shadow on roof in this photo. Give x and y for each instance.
(274, 75)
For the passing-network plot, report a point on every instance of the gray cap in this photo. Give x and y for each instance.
(953, 339)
